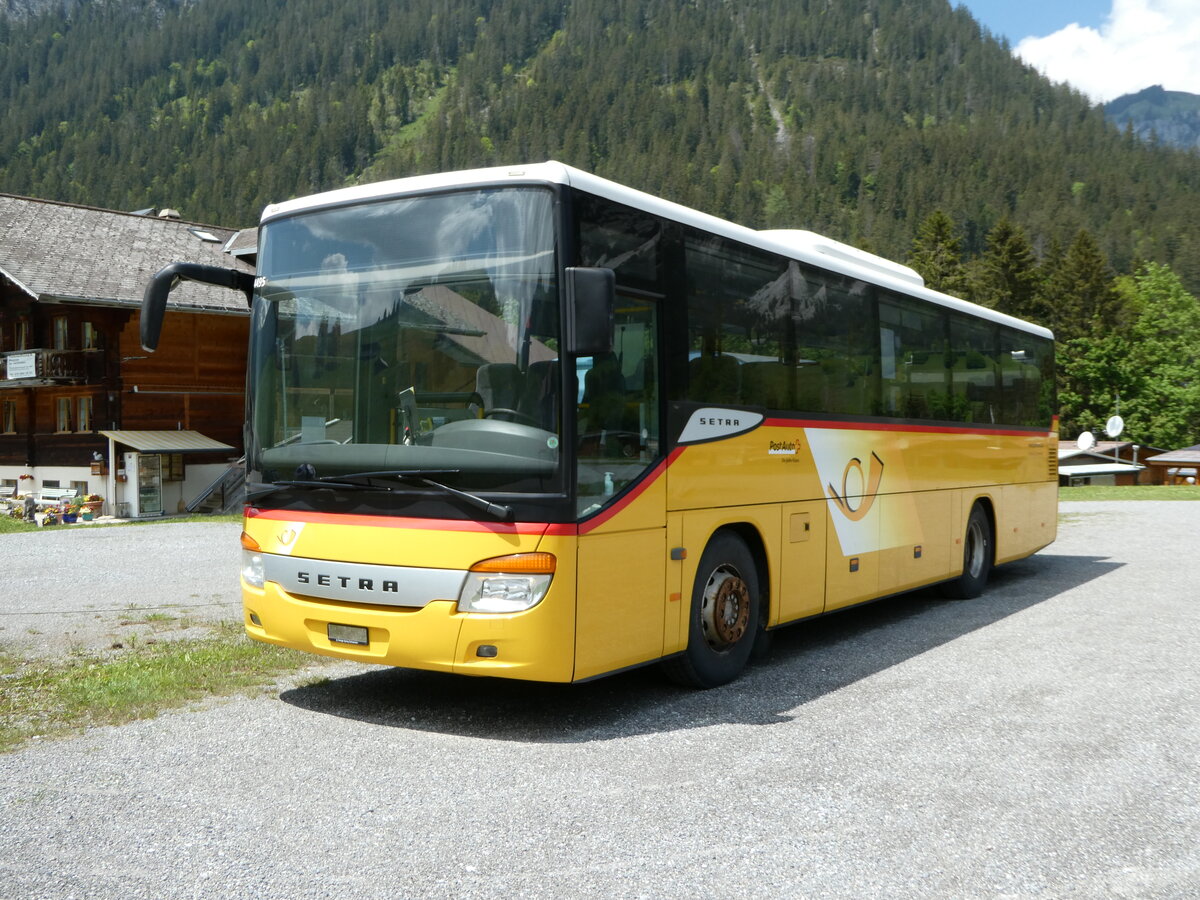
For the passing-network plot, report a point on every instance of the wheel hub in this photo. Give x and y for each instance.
(976, 546)
(726, 610)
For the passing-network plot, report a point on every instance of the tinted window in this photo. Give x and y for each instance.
(737, 306)
(836, 356)
(913, 360)
(1027, 378)
(974, 380)
(619, 238)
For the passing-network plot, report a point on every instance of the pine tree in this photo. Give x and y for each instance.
(937, 255)
(1008, 278)
(1079, 292)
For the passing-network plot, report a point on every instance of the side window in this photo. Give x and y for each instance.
(625, 240)
(738, 304)
(1027, 378)
(914, 376)
(974, 378)
(618, 413)
(837, 350)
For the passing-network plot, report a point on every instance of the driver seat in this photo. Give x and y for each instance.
(499, 385)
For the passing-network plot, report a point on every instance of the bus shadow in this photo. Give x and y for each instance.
(807, 661)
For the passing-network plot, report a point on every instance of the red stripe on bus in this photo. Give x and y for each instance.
(316, 518)
(890, 426)
(609, 512)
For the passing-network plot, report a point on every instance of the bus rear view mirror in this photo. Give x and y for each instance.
(591, 297)
(154, 300)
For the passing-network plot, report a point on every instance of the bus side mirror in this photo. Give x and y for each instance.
(591, 298)
(154, 300)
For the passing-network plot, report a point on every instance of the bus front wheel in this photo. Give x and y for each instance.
(977, 558)
(723, 621)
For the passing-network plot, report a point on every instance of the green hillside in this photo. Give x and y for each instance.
(854, 119)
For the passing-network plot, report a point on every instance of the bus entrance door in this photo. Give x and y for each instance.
(622, 597)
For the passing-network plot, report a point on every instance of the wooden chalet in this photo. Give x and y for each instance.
(79, 398)
(1106, 462)
(1178, 466)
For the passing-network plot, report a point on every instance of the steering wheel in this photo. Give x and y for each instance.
(503, 412)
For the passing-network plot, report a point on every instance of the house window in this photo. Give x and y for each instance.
(62, 409)
(80, 487)
(89, 336)
(60, 332)
(8, 424)
(84, 420)
(21, 335)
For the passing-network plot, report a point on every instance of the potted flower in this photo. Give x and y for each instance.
(88, 506)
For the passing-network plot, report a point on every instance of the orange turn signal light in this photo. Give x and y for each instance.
(249, 543)
(519, 564)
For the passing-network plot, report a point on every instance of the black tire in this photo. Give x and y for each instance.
(723, 623)
(978, 554)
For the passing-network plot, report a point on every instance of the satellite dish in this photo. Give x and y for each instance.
(1085, 441)
(1114, 426)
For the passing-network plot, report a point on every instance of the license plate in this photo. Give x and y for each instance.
(348, 634)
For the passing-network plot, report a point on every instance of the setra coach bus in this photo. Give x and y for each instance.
(530, 423)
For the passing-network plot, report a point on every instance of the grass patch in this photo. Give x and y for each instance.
(1131, 492)
(10, 525)
(55, 698)
(175, 520)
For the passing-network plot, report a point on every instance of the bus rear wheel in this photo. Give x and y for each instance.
(723, 621)
(977, 558)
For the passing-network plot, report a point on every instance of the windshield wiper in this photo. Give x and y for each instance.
(361, 481)
(254, 491)
(421, 476)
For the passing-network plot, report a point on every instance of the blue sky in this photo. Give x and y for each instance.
(1104, 48)
(1016, 19)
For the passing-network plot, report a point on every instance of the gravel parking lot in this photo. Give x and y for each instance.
(1041, 741)
(89, 587)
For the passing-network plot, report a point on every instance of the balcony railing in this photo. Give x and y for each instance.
(33, 367)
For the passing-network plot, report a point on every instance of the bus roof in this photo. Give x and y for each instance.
(803, 246)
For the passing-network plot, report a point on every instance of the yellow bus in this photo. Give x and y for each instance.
(527, 422)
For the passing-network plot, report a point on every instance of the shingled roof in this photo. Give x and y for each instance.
(62, 252)
(1188, 456)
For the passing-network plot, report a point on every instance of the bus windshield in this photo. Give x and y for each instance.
(411, 336)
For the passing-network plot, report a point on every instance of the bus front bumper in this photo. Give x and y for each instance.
(536, 645)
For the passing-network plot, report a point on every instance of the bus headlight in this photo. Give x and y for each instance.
(507, 584)
(252, 569)
(252, 562)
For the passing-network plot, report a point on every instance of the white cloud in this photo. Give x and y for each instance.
(1142, 43)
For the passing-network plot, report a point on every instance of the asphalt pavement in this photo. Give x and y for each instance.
(1041, 741)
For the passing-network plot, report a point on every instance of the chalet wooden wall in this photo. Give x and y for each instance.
(195, 380)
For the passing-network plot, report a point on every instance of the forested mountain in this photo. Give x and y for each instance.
(859, 120)
(1172, 117)
(856, 119)
(20, 9)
